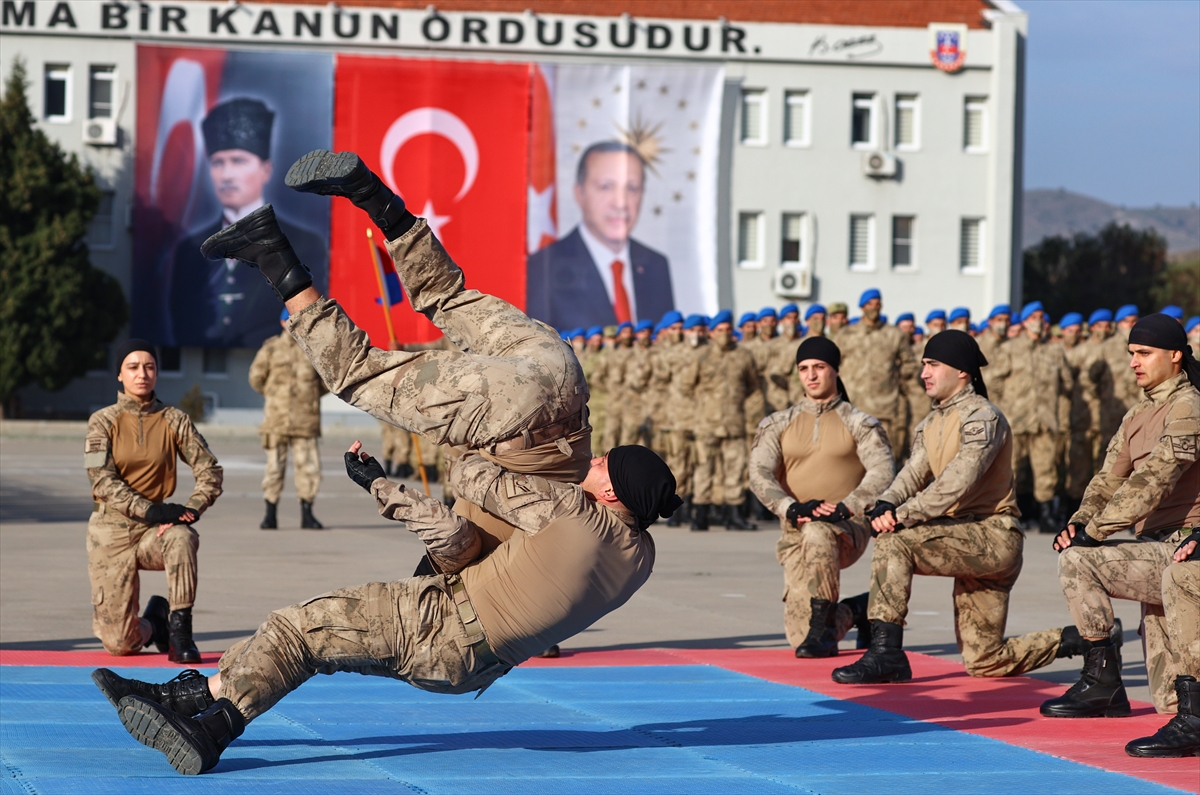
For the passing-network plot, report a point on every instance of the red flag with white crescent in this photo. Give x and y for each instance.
(451, 138)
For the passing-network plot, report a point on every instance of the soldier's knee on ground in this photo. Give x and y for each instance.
(119, 639)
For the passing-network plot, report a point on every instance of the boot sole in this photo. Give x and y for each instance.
(808, 655)
(322, 172)
(184, 659)
(152, 728)
(889, 680)
(1165, 754)
(1108, 712)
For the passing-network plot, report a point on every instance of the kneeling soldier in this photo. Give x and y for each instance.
(820, 465)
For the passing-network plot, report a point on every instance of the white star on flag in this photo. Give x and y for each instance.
(435, 221)
(541, 218)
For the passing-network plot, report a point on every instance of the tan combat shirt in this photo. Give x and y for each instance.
(820, 451)
(1150, 480)
(282, 374)
(130, 455)
(964, 447)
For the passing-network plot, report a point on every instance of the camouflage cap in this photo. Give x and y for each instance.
(838, 306)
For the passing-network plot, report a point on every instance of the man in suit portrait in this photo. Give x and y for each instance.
(598, 275)
(216, 303)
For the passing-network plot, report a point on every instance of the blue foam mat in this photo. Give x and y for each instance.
(664, 729)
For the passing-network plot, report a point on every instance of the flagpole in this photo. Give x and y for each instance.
(383, 296)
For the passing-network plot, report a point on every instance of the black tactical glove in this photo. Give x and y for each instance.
(1080, 539)
(801, 510)
(879, 510)
(165, 513)
(364, 473)
(841, 514)
(1195, 536)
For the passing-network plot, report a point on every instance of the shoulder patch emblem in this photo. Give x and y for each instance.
(95, 444)
(976, 431)
(1184, 447)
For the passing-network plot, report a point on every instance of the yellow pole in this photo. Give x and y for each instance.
(383, 296)
(420, 463)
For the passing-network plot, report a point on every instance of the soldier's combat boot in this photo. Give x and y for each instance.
(270, 520)
(821, 640)
(1072, 644)
(404, 471)
(345, 174)
(1181, 735)
(258, 240)
(551, 653)
(1046, 518)
(1099, 691)
(885, 660)
(307, 520)
(157, 611)
(700, 517)
(183, 648)
(191, 745)
(858, 609)
(431, 473)
(186, 694)
(734, 521)
(677, 518)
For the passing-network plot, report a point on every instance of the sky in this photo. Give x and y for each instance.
(1113, 99)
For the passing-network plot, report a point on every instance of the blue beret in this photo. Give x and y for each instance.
(981, 326)
(1071, 319)
(815, 309)
(747, 317)
(643, 325)
(766, 311)
(283, 315)
(576, 332)
(883, 319)
(789, 309)
(903, 316)
(869, 295)
(1030, 308)
(919, 330)
(624, 325)
(854, 321)
(724, 316)
(1128, 310)
(1000, 309)
(937, 314)
(671, 318)
(1191, 323)
(695, 320)
(959, 312)
(737, 335)
(1172, 311)
(594, 330)
(1100, 316)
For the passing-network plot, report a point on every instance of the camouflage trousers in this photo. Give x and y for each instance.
(812, 557)
(1092, 576)
(719, 477)
(598, 418)
(1081, 454)
(1181, 604)
(408, 630)
(396, 443)
(307, 466)
(117, 548)
(984, 557)
(510, 375)
(1041, 449)
(681, 459)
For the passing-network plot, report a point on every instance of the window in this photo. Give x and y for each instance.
(903, 227)
(754, 116)
(862, 122)
(862, 242)
(796, 118)
(215, 363)
(970, 248)
(975, 124)
(795, 243)
(56, 104)
(101, 91)
(750, 240)
(908, 122)
(100, 233)
(170, 361)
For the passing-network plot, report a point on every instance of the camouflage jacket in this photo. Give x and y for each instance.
(636, 380)
(1125, 391)
(1036, 377)
(780, 373)
(282, 374)
(874, 451)
(990, 345)
(178, 439)
(1129, 488)
(672, 366)
(1092, 380)
(721, 381)
(451, 542)
(876, 360)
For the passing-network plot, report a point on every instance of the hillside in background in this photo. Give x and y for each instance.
(1060, 212)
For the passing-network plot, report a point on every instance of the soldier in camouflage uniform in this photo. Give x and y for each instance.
(611, 371)
(990, 340)
(722, 379)
(292, 390)
(1092, 380)
(683, 340)
(748, 326)
(1192, 329)
(836, 320)
(639, 369)
(396, 450)
(876, 361)
(130, 455)
(951, 512)
(1125, 391)
(591, 362)
(1036, 378)
(820, 465)
(1150, 482)
(780, 370)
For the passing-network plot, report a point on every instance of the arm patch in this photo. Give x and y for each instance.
(1184, 447)
(977, 432)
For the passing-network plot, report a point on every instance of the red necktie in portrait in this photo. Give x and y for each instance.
(620, 297)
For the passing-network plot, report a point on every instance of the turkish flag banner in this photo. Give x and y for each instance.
(452, 139)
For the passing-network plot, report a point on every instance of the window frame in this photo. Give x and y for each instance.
(870, 101)
(111, 71)
(912, 244)
(803, 98)
(760, 222)
(912, 101)
(870, 265)
(163, 372)
(980, 266)
(53, 71)
(979, 103)
(204, 363)
(758, 97)
(801, 262)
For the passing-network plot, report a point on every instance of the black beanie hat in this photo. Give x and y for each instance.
(825, 350)
(134, 344)
(959, 350)
(643, 483)
(1163, 331)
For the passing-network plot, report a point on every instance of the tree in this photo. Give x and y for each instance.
(57, 311)
(1180, 284)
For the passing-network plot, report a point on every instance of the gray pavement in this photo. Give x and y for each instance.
(708, 590)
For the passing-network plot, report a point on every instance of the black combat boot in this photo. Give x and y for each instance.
(191, 745)
(431, 473)
(307, 520)
(186, 694)
(1181, 735)
(734, 521)
(1099, 691)
(404, 471)
(270, 520)
(682, 515)
(257, 239)
(157, 611)
(345, 174)
(700, 516)
(387, 467)
(183, 648)
(551, 653)
(885, 660)
(1046, 518)
(1072, 644)
(821, 641)
(858, 608)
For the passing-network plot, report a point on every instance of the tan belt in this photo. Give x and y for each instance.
(97, 507)
(466, 611)
(544, 435)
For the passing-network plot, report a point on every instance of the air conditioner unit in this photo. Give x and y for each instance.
(792, 284)
(100, 132)
(879, 164)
